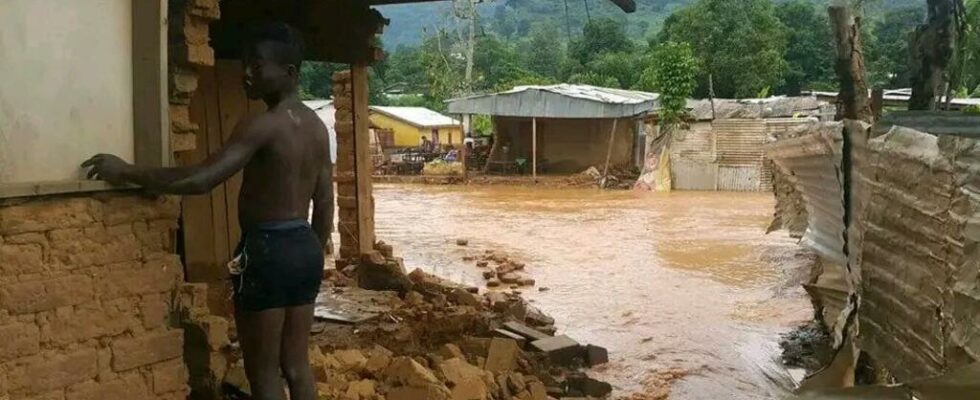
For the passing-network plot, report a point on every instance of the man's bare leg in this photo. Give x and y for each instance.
(295, 352)
(260, 335)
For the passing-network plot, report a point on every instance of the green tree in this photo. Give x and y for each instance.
(316, 79)
(967, 67)
(600, 36)
(620, 66)
(741, 44)
(888, 52)
(810, 49)
(673, 73)
(496, 62)
(543, 52)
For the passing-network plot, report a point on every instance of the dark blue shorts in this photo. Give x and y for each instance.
(281, 266)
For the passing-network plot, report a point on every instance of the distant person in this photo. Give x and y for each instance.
(285, 154)
(426, 145)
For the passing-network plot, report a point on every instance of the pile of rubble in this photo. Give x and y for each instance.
(504, 271)
(437, 340)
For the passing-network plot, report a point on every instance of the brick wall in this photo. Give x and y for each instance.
(87, 289)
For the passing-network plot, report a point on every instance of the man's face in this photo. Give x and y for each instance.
(263, 74)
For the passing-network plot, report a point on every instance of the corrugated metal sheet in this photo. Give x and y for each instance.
(418, 116)
(738, 179)
(692, 175)
(905, 249)
(814, 164)
(914, 240)
(558, 101)
(740, 142)
(772, 107)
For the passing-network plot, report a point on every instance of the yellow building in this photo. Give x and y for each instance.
(409, 124)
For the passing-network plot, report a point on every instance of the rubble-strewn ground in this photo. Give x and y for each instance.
(437, 341)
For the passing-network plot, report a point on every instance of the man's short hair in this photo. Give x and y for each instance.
(289, 47)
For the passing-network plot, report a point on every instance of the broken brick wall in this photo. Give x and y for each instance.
(87, 289)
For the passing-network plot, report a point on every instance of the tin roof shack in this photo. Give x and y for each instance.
(562, 128)
(721, 145)
(892, 211)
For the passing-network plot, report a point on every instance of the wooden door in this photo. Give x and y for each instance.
(209, 226)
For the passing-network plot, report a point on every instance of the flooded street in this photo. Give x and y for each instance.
(685, 289)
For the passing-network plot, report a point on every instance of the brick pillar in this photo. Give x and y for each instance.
(344, 170)
(189, 44)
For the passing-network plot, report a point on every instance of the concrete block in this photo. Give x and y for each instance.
(502, 355)
(596, 355)
(526, 331)
(562, 350)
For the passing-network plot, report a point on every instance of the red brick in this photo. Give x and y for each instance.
(205, 8)
(131, 386)
(42, 295)
(146, 349)
(18, 259)
(44, 215)
(19, 340)
(40, 374)
(170, 376)
(68, 325)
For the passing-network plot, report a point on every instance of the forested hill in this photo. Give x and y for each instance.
(513, 18)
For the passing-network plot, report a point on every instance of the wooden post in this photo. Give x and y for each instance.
(462, 150)
(534, 149)
(850, 65)
(363, 165)
(605, 170)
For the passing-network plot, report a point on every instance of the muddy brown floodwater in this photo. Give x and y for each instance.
(685, 289)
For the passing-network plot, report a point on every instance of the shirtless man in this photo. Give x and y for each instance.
(286, 160)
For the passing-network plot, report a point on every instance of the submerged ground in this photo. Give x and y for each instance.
(685, 289)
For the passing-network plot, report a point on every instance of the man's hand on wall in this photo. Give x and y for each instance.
(107, 167)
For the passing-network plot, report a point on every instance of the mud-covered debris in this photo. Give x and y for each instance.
(502, 355)
(561, 350)
(493, 282)
(596, 355)
(525, 331)
(462, 242)
(582, 385)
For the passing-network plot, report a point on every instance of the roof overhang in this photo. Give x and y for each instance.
(559, 101)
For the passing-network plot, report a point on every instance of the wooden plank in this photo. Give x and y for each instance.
(151, 122)
(234, 107)
(219, 207)
(26, 189)
(198, 226)
(363, 166)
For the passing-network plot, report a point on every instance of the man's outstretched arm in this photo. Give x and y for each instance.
(249, 136)
(323, 203)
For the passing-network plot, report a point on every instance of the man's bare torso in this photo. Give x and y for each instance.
(279, 180)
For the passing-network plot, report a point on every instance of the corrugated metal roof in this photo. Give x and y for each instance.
(593, 93)
(772, 107)
(558, 101)
(418, 116)
(904, 95)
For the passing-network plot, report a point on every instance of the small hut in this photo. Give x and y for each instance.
(562, 128)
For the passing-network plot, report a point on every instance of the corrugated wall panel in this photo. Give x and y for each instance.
(688, 175)
(740, 142)
(738, 179)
